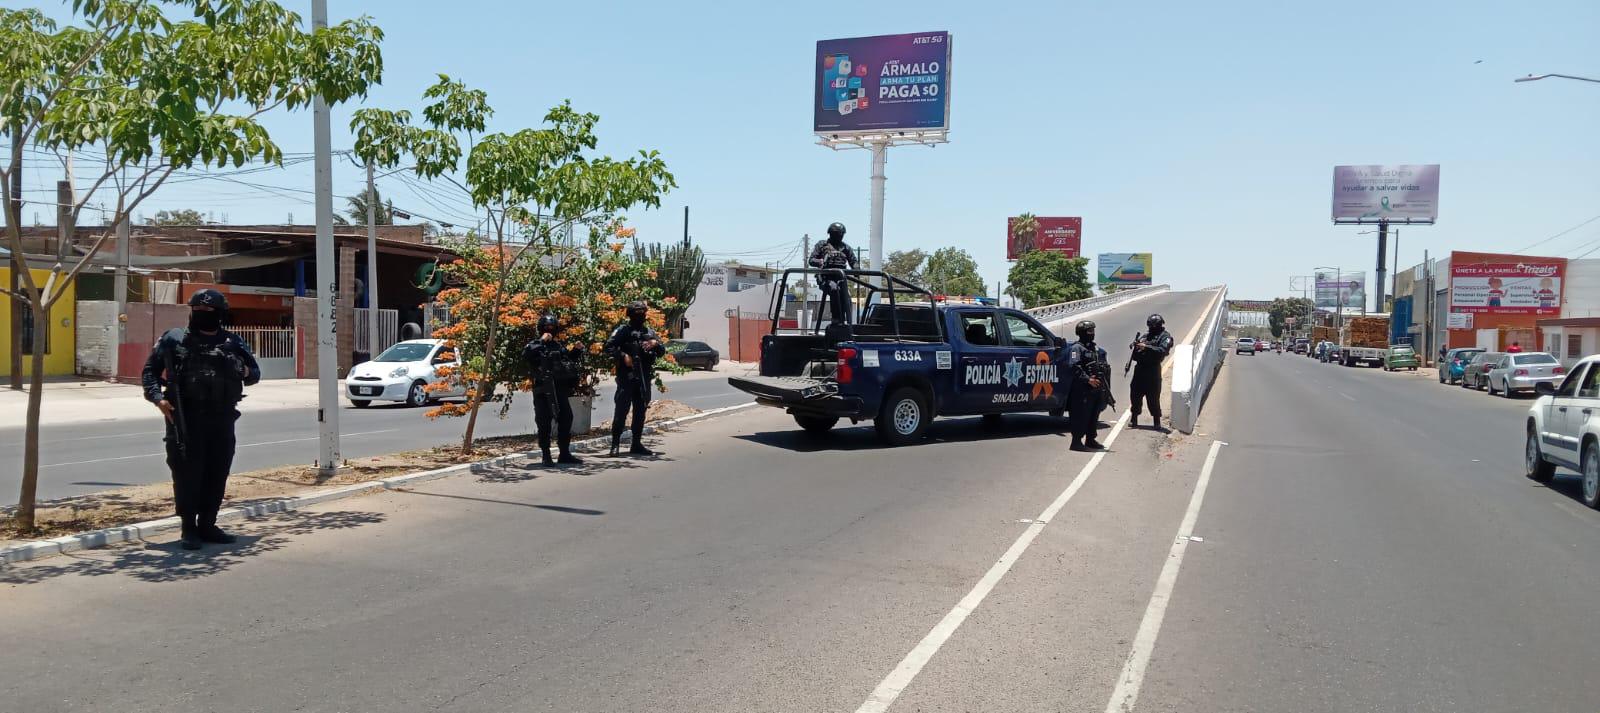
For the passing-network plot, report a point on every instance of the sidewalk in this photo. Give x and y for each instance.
(86, 400)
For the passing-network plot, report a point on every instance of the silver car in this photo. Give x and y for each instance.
(1522, 371)
(1475, 374)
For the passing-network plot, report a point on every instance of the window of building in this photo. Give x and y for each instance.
(29, 333)
(1574, 346)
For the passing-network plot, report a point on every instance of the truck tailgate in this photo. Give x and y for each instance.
(788, 389)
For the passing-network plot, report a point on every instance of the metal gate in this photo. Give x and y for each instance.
(273, 347)
(388, 328)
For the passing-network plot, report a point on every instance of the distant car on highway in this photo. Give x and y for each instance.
(402, 373)
(694, 355)
(1245, 345)
(1334, 354)
(1261, 346)
(1454, 362)
(1560, 431)
(1524, 372)
(1400, 357)
(1301, 345)
(1473, 375)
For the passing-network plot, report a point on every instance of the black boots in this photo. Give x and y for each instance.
(189, 538)
(638, 449)
(616, 444)
(194, 533)
(548, 461)
(216, 536)
(568, 458)
(1086, 445)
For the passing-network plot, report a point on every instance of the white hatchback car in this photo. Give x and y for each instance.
(1564, 429)
(400, 373)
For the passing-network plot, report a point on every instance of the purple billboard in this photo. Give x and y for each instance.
(884, 83)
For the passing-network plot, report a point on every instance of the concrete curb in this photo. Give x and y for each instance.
(142, 530)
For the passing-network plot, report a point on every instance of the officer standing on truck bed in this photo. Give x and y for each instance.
(635, 348)
(835, 255)
(1148, 353)
(1088, 372)
(555, 376)
(196, 376)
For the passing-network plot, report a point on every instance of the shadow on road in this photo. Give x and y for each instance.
(497, 501)
(533, 469)
(1570, 485)
(954, 430)
(166, 562)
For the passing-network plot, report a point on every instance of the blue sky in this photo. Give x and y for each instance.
(1205, 133)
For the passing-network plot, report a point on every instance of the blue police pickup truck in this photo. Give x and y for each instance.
(902, 363)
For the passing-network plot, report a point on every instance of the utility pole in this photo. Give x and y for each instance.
(327, 276)
(120, 287)
(686, 226)
(1427, 302)
(18, 264)
(372, 266)
(1394, 287)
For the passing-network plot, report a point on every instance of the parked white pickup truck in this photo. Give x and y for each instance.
(1370, 356)
(1564, 429)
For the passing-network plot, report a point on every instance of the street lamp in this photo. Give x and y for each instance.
(1535, 78)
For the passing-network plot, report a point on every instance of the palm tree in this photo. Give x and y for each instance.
(384, 215)
(1023, 232)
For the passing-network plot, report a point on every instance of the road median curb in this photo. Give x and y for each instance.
(95, 539)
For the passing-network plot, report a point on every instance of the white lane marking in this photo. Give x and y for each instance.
(163, 454)
(1348, 396)
(1144, 642)
(75, 439)
(897, 680)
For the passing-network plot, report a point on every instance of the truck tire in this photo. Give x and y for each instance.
(1537, 468)
(903, 418)
(816, 425)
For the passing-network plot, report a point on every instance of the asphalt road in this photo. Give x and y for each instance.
(1364, 541)
(88, 457)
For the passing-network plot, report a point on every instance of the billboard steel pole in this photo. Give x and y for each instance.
(1383, 268)
(880, 157)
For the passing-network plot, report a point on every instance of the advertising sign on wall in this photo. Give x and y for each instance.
(1119, 269)
(1459, 320)
(1062, 235)
(1398, 194)
(884, 83)
(1333, 288)
(1491, 283)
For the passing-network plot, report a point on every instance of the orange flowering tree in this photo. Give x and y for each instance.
(531, 183)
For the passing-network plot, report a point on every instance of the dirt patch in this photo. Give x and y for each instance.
(124, 506)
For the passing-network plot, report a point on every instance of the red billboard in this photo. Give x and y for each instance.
(1495, 283)
(1062, 235)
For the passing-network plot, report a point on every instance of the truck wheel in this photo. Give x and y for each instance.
(816, 425)
(903, 417)
(1537, 468)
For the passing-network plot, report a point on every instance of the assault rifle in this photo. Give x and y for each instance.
(180, 428)
(1132, 349)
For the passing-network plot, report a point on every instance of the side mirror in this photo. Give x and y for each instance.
(1544, 388)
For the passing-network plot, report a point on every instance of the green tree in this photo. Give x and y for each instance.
(147, 95)
(678, 270)
(906, 265)
(382, 214)
(185, 216)
(531, 182)
(1023, 233)
(1043, 277)
(951, 271)
(1297, 307)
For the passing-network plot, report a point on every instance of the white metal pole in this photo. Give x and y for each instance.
(372, 267)
(327, 277)
(120, 286)
(880, 155)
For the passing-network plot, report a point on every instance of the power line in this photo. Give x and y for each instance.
(1557, 235)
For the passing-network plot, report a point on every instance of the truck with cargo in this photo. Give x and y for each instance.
(908, 359)
(1366, 340)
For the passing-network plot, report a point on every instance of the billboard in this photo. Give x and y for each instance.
(1335, 289)
(1119, 269)
(1398, 194)
(1062, 235)
(1491, 283)
(884, 83)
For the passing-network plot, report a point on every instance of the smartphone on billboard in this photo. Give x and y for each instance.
(835, 78)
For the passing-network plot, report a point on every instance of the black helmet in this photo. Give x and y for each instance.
(1155, 321)
(637, 308)
(209, 298)
(836, 230)
(549, 323)
(1085, 330)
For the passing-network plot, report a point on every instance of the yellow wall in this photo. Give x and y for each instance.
(61, 359)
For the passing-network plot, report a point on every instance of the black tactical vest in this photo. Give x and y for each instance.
(207, 378)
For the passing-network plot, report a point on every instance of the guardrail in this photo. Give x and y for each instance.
(1194, 366)
(1051, 313)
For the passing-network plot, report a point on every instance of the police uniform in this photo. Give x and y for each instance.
(555, 375)
(1146, 383)
(633, 382)
(1085, 360)
(203, 377)
(833, 253)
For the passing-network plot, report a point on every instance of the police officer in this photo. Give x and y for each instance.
(635, 348)
(1148, 353)
(555, 376)
(196, 376)
(834, 254)
(1088, 369)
